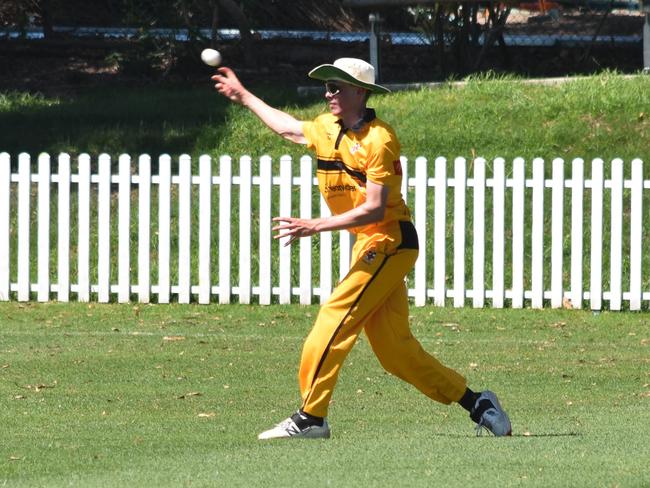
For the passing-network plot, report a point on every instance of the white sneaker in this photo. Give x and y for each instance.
(488, 414)
(297, 427)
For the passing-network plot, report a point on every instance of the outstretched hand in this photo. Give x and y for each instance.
(229, 85)
(294, 228)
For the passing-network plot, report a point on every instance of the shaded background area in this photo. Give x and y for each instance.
(40, 52)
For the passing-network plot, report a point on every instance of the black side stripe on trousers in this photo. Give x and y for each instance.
(338, 329)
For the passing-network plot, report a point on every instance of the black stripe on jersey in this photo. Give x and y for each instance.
(409, 235)
(338, 329)
(338, 166)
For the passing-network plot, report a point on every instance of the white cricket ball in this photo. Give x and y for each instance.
(211, 57)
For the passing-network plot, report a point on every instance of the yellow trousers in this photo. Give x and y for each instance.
(373, 297)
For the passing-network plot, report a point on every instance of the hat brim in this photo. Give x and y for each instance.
(329, 72)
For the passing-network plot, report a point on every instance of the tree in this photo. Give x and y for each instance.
(238, 15)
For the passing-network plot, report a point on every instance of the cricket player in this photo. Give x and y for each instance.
(359, 176)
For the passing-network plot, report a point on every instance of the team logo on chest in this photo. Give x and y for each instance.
(369, 256)
(355, 148)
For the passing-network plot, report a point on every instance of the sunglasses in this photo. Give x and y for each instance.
(332, 88)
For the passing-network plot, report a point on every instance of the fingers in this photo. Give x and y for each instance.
(280, 228)
(228, 84)
(291, 237)
(225, 75)
(285, 230)
(287, 221)
(224, 72)
(222, 77)
(288, 227)
(294, 228)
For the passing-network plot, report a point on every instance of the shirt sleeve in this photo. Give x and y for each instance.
(309, 130)
(383, 165)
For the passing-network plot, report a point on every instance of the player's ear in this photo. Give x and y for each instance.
(363, 93)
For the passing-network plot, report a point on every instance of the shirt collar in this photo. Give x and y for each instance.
(368, 116)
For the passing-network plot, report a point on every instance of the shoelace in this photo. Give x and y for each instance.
(480, 427)
(290, 426)
(285, 423)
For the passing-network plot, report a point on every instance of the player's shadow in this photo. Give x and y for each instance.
(550, 434)
(522, 435)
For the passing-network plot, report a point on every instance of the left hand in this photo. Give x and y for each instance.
(294, 228)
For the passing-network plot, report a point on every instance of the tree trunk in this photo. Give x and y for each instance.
(215, 24)
(46, 16)
(235, 11)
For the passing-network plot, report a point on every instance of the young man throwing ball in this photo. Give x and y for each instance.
(359, 176)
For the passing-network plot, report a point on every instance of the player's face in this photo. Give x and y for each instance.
(343, 98)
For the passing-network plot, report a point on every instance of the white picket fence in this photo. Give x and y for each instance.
(549, 267)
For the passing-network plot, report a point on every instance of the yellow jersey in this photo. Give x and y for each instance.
(349, 157)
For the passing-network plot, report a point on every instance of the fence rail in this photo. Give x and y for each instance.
(492, 234)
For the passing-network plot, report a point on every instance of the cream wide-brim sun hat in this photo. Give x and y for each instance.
(349, 70)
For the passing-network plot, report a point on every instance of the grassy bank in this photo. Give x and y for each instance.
(606, 116)
(113, 395)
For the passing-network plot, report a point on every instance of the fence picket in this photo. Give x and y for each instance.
(557, 234)
(405, 179)
(164, 227)
(104, 229)
(537, 235)
(460, 190)
(577, 224)
(83, 240)
(225, 203)
(205, 227)
(245, 210)
(5, 219)
(596, 279)
(63, 229)
(24, 210)
(124, 229)
(439, 233)
(184, 228)
(478, 244)
(266, 180)
(498, 233)
(616, 236)
(286, 177)
(518, 206)
(636, 234)
(306, 185)
(325, 256)
(144, 229)
(43, 258)
(420, 217)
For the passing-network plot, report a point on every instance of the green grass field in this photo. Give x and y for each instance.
(124, 395)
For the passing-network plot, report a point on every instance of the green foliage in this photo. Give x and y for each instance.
(17, 102)
(118, 395)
